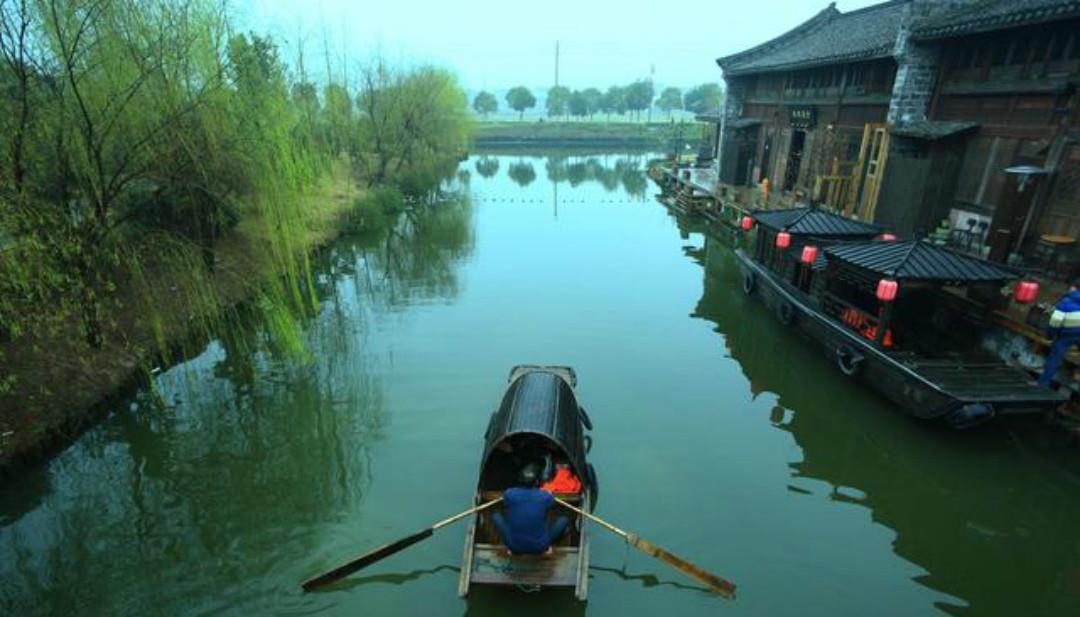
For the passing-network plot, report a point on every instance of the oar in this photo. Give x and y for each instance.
(382, 552)
(713, 582)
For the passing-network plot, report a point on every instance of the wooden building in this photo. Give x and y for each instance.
(807, 110)
(909, 113)
(1006, 73)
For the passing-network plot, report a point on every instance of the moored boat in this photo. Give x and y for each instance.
(905, 318)
(539, 422)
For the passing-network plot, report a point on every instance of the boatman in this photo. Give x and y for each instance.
(1064, 329)
(524, 527)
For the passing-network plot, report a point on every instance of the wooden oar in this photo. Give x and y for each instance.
(713, 582)
(382, 552)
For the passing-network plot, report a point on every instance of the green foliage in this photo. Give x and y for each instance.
(670, 99)
(519, 99)
(485, 103)
(704, 98)
(578, 104)
(135, 135)
(558, 98)
(593, 99)
(413, 127)
(639, 95)
(614, 101)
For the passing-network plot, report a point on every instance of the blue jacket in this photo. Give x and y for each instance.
(526, 517)
(1065, 319)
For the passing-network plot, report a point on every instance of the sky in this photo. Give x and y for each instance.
(495, 45)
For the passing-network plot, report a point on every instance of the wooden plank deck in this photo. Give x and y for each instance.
(493, 564)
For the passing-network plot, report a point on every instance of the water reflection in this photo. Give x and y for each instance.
(238, 460)
(625, 171)
(522, 173)
(968, 508)
(487, 166)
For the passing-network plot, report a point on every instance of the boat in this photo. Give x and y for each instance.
(538, 421)
(906, 318)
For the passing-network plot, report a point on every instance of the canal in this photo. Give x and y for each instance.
(717, 434)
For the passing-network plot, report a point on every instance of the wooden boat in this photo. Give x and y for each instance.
(921, 350)
(539, 418)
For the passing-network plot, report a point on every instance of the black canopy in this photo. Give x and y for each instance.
(917, 261)
(540, 402)
(809, 221)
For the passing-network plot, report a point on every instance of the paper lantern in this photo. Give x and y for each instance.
(886, 237)
(747, 223)
(1026, 292)
(809, 254)
(783, 240)
(886, 290)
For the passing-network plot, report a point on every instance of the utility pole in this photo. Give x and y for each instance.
(556, 64)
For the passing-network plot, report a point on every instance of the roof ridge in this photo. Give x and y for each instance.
(819, 19)
(799, 218)
(906, 257)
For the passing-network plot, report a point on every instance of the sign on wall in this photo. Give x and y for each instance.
(802, 117)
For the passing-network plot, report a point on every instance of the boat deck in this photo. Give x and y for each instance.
(985, 382)
(493, 564)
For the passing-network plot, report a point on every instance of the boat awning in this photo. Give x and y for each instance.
(743, 123)
(809, 221)
(933, 130)
(917, 261)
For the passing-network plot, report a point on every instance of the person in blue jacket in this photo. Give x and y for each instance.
(523, 523)
(1064, 329)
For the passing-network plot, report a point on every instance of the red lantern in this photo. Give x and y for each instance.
(747, 223)
(1026, 292)
(886, 290)
(886, 237)
(783, 240)
(809, 254)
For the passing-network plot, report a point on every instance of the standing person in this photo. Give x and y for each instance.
(1064, 330)
(524, 527)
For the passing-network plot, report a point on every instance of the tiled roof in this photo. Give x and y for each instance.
(814, 222)
(996, 15)
(917, 260)
(827, 38)
(932, 130)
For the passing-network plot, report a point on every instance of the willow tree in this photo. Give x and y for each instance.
(413, 126)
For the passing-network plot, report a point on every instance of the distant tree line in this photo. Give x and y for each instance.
(633, 99)
(129, 128)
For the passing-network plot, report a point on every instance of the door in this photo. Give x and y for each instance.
(869, 171)
(794, 162)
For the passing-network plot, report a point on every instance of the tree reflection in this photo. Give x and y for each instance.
(487, 166)
(522, 173)
(235, 466)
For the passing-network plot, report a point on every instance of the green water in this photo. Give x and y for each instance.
(717, 435)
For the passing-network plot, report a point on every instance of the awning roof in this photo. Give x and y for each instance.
(918, 261)
(932, 130)
(808, 221)
(742, 123)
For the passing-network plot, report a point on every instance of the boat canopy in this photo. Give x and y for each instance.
(917, 261)
(537, 403)
(811, 221)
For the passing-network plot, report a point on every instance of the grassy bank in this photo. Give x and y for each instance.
(61, 385)
(598, 133)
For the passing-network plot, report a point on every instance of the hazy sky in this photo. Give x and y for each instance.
(497, 45)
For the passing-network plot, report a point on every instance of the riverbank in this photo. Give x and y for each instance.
(586, 134)
(61, 386)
